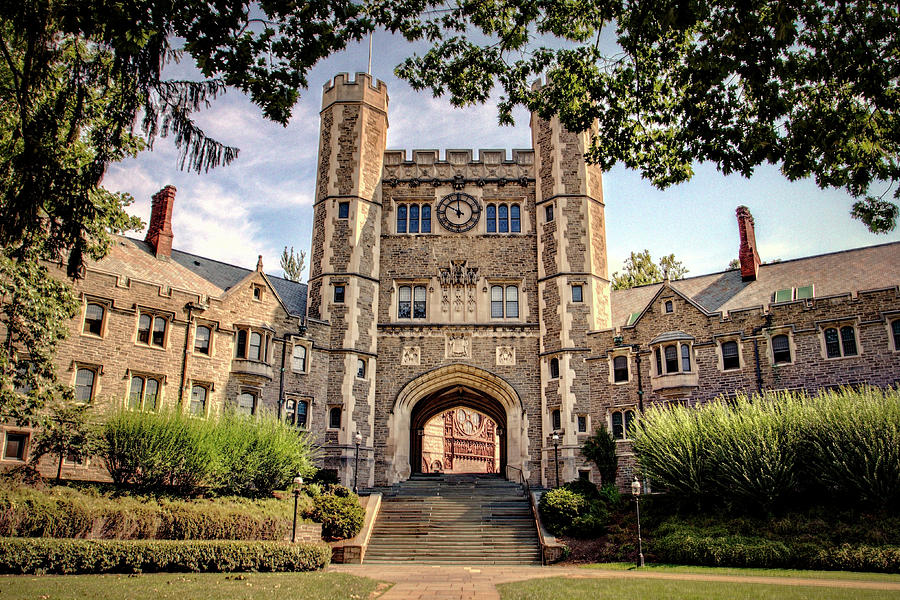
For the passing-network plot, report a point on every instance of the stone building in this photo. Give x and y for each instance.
(459, 315)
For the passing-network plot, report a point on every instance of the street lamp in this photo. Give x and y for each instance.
(298, 483)
(358, 440)
(556, 455)
(636, 492)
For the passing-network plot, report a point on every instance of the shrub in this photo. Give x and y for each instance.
(174, 453)
(722, 551)
(37, 556)
(559, 508)
(339, 513)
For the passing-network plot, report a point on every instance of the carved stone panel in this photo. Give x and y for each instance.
(412, 356)
(458, 345)
(506, 356)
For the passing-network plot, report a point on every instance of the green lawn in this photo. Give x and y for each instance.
(848, 575)
(560, 588)
(190, 586)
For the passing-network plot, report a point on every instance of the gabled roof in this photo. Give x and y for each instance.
(847, 271)
(208, 277)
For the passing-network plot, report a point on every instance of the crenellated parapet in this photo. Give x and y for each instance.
(359, 88)
(458, 168)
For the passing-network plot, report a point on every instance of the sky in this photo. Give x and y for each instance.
(262, 202)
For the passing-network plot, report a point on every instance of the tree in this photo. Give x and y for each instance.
(734, 265)
(641, 270)
(809, 86)
(293, 264)
(82, 86)
(66, 432)
(600, 449)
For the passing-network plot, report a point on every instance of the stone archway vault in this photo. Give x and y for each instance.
(491, 387)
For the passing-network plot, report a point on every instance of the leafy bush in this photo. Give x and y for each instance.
(559, 508)
(66, 512)
(758, 452)
(725, 551)
(39, 555)
(175, 453)
(339, 513)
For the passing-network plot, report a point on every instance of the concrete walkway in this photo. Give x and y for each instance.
(478, 583)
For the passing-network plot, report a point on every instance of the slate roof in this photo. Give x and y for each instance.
(847, 271)
(135, 259)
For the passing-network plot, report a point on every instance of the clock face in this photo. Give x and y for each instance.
(458, 212)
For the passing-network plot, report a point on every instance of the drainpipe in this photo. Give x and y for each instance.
(756, 331)
(190, 307)
(637, 361)
(281, 377)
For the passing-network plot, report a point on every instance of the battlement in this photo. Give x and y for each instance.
(359, 88)
(459, 158)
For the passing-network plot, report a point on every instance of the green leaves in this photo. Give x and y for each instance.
(641, 270)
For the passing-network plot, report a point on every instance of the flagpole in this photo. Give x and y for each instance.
(369, 71)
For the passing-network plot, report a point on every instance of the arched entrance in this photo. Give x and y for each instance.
(446, 388)
(458, 430)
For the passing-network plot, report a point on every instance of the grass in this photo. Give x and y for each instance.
(795, 573)
(651, 589)
(193, 586)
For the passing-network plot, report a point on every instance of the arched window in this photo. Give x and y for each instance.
(848, 341)
(556, 419)
(491, 218)
(246, 403)
(334, 418)
(554, 368)
(669, 306)
(659, 369)
(302, 413)
(496, 301)
(781, 349)
(401, 218)
(255, 346)
(201, 339)
(159, 332)
(144, 322)
(144, 393)
(502, 218)
(685, 358)
(93, 319)
(240, 348)
(515, 220)
(620, 369)
(426, 218)
(84, 384)
(298, 358)
(512, 301)
(419, 302)
(730, 358)
(671, 359)
(414, 218)
(361, 368)
(404, 302)
(832, 343)
(622, 422)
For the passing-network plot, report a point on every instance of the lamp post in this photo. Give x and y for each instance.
(298, 483)
(358, 439)
(636, 492)
(556, 455)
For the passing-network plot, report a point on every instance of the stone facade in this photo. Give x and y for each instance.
(440, 281)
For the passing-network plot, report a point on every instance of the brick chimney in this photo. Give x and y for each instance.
(747, 253)
(159, 234)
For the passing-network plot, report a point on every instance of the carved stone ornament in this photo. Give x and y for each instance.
(506, 356)
(458, 345)
(411, 357)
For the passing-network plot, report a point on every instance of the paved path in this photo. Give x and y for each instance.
(478, 583)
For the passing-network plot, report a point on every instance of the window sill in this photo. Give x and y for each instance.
(92, 336)
(150, 346)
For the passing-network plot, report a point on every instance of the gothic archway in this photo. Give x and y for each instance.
(441, 389)
(472, 432)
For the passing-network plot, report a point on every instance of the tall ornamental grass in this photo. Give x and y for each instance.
(172, 452)
(759, 452)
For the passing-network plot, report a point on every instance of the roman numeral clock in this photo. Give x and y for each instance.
(458, 212)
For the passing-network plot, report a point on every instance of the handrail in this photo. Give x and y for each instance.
(534, 514)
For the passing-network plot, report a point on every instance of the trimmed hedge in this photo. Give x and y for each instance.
(339, 512)
(749, 551)
(577, 509)
(66, 512)
(65, 556)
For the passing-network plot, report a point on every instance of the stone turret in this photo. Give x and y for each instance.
(573, 280)
(344, 265)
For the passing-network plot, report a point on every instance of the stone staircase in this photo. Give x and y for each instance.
(455, 519)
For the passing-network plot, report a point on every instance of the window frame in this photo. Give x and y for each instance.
(209, 340)
(503, 309)
(24, 445)
(305, 366)
(503, 218)
(154, 317)
(583, 418)
(619, 431)
(840, 329)
(207, 399)
(416, 310)
(773, 353)
(553, 367)
(253, 394)
(578, 297)
(362, 367)
(683, 350)
(340, 419)
(894, 334)
(242, 349)
(343, 209)
(615, 371)
(96, 371)
(669, 307)
(739, 363)
(556, 419)
(104, 306)
(144, 378)
(548, 213)
(291, 416)
(339, 293)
